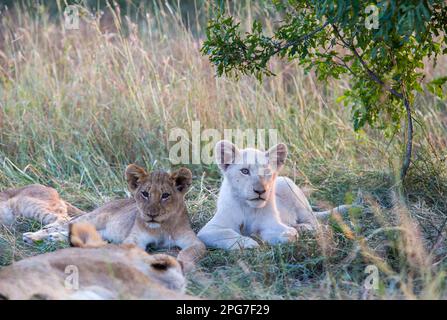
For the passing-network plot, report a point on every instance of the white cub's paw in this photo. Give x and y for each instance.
(245, 243)
(280, 236)
(304, 227)
(289, 235)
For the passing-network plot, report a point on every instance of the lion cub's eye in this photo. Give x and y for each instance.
(145, 194)
(245, 171)
(165, 195)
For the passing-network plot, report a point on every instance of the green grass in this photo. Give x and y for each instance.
(77, 106)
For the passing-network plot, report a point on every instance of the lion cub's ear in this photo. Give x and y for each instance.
(225, 153)
(84, 235)
(134, 176)
(182, 179)
(277, 155)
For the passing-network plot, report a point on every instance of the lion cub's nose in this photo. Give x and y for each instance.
(259, 191)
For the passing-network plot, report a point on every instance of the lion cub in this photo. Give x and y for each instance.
(155, 215)
(93, 270)
(255, 200)
(36, 202)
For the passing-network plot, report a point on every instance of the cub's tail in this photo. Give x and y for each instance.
(343, 209)
(73, 211)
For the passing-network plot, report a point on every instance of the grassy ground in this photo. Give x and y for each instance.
(77, 106)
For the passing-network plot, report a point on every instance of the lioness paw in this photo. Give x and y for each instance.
(58, 236)
(28, 237)
(33, 237)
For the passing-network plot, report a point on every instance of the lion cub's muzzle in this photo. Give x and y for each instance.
(153, 219)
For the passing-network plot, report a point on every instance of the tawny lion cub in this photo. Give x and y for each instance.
(37, 202)
(155, 215)
(253, 200)
(162, 218)
(93, 270)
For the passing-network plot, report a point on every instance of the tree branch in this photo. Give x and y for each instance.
(409, 148)
(399, 95)
(345, 65)
(280, 46)
(372, 75)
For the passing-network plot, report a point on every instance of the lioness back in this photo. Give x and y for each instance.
(37, 202)
(43, 276)
(95, 270)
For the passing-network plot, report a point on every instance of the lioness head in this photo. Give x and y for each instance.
(251, 173)
(159, 195)
(167, 271)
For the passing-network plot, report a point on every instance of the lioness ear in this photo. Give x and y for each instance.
(162, 262)
(225, 153)
(182, 179)
(277, 155)
(84, 235)
(134, 176)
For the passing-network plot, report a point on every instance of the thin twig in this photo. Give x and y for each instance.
(409, 148)
(280, 46)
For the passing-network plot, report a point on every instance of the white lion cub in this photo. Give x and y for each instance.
(253, 200)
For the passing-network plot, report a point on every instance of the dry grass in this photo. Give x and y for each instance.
(76, 106)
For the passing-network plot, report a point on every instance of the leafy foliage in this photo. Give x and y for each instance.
(337, 37)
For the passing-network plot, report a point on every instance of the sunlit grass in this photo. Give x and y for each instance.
(77, 106)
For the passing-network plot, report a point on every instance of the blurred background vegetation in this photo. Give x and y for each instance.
(194, 13)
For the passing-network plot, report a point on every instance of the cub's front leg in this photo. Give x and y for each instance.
(216, 236)
(275, 232)
(192, 249)
(137, 237)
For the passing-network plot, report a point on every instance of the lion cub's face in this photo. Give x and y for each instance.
(159, 195)
(251, 173)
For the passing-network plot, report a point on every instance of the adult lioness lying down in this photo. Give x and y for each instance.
(254, 200)
(37, 202)
(156, 215)
(93, 270)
